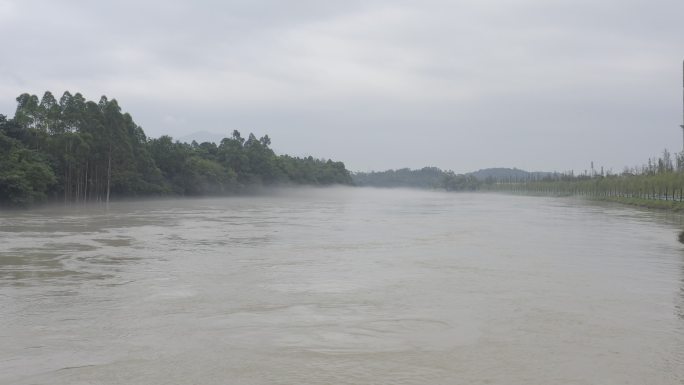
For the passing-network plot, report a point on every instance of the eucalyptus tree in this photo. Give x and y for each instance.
(25, 175)
(79, 150)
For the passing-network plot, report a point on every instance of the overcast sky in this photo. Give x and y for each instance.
(462, 85)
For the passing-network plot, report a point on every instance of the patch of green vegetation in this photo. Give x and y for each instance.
(76, 150)
(670, 205)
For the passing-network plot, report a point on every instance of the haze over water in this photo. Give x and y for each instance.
(342, 286)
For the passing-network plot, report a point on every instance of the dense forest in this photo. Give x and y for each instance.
(76, 150)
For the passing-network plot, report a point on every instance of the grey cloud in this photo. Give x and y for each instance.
(377, 84)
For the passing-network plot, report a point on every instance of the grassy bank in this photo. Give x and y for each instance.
(674, 206)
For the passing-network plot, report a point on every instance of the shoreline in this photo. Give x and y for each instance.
(661, 205)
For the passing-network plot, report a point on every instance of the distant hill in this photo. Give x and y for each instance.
(502, 173)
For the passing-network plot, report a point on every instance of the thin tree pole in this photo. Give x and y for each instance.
(109, 172)
(682, 125)
(85, 184)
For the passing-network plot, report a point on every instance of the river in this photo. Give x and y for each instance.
(342, 286)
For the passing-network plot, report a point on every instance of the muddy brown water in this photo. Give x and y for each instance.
(342, 286)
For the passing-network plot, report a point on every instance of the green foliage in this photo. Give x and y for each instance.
(79, 151)
(427, 177)
(657, 184)
(313, 171)
(453, 182)
(25, 175)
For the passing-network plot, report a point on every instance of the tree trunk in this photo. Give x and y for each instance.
(109, 173)
(85, 185)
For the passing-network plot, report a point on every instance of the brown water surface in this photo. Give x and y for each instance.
(342, 286)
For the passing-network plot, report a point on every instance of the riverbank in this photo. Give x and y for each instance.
(673, 206)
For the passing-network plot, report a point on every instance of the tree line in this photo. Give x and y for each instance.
(661, 178)
(76, 151)
(426, 177)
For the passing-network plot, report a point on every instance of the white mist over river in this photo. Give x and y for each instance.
(342, 286)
